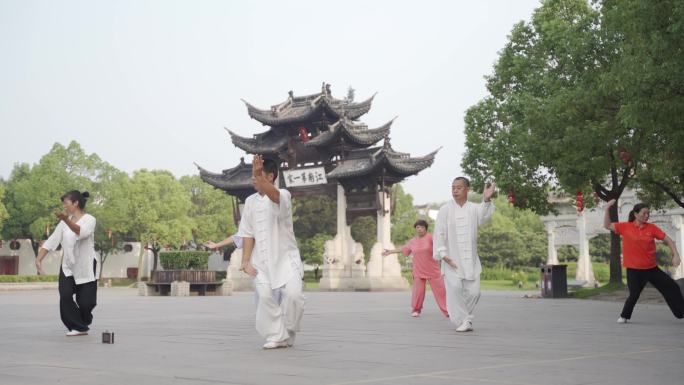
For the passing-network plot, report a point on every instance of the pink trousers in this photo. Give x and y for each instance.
(437, 285)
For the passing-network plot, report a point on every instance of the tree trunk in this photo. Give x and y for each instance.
(615, 250)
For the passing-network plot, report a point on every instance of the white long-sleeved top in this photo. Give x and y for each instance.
(79, 250)
(275, 254)
(455, 236)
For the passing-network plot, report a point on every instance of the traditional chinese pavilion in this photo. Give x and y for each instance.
(323, 148)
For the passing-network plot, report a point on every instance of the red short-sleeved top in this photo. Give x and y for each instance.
(424, 266)
(638, 244)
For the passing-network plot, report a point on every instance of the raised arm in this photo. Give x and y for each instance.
(607, 223)
(261, 183)
(486, 209)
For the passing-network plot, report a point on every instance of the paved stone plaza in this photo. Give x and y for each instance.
(348, 338)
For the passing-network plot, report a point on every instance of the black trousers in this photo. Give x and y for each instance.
(637, 279)
(76, 315)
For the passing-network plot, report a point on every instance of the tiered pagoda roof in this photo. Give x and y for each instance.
(300, 109)
(319, 129)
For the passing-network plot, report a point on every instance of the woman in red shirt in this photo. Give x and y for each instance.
(639, 258)
(425, 268)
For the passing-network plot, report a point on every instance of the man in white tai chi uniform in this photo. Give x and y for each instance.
(455, 244)
(271, 256)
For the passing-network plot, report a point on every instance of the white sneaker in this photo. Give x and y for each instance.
(73, 333)
(466, 326)
(622, 320)
(415, 314)
(275, 345)
(290, 341)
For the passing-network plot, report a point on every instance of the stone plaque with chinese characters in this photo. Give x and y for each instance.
(304, 177)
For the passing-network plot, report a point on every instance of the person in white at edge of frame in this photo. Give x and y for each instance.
(271, 256)
(455, 244)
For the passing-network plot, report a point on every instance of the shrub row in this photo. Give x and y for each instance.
(28, 278)
(183, 260)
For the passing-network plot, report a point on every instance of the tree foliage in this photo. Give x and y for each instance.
(3, 211)
(583, 98)
(211, 210)
(513, 238)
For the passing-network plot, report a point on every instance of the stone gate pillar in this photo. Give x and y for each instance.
(342, 266)
(585, 271)
(384, 273)
(552, 256)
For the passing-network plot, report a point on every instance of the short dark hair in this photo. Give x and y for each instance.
(637, 207)
(76, 196)
(421, 222)
(465, 180)
(271, 167)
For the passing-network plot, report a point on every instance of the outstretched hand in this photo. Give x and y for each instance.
(488, 192)
(610, 204)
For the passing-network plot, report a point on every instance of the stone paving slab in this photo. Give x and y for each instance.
(347, 338)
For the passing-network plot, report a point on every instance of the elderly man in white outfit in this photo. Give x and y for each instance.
(455, 244)
(271, 256)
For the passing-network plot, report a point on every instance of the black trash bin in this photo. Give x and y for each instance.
(554, 281)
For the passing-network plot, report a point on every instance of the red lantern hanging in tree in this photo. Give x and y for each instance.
(624, 157)
(303, 134)
(579, 201)
(511, 196)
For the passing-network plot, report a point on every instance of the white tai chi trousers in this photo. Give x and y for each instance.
(279, 311)
(461, 297)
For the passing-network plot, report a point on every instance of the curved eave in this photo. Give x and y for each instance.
(297, 112)
(221, 181)
(255, 145)
(355, 135)
(393, 162)
(356, 110)
(367, 137)
(410, 166)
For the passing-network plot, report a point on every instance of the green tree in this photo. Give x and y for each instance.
(33, 193)
(211, 210)
(365, 231)
(311, 249)
(648, 77)
(513, 238)
(158, 208)
(404, 216)
(314, 215)
(599, 248)
(551, 119)
(3, 211)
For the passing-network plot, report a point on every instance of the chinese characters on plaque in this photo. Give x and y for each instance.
(304, 177)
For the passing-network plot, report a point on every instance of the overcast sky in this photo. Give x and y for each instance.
(151, 84)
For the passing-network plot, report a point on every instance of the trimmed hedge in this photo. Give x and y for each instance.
(184, 260)
(28, 278)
